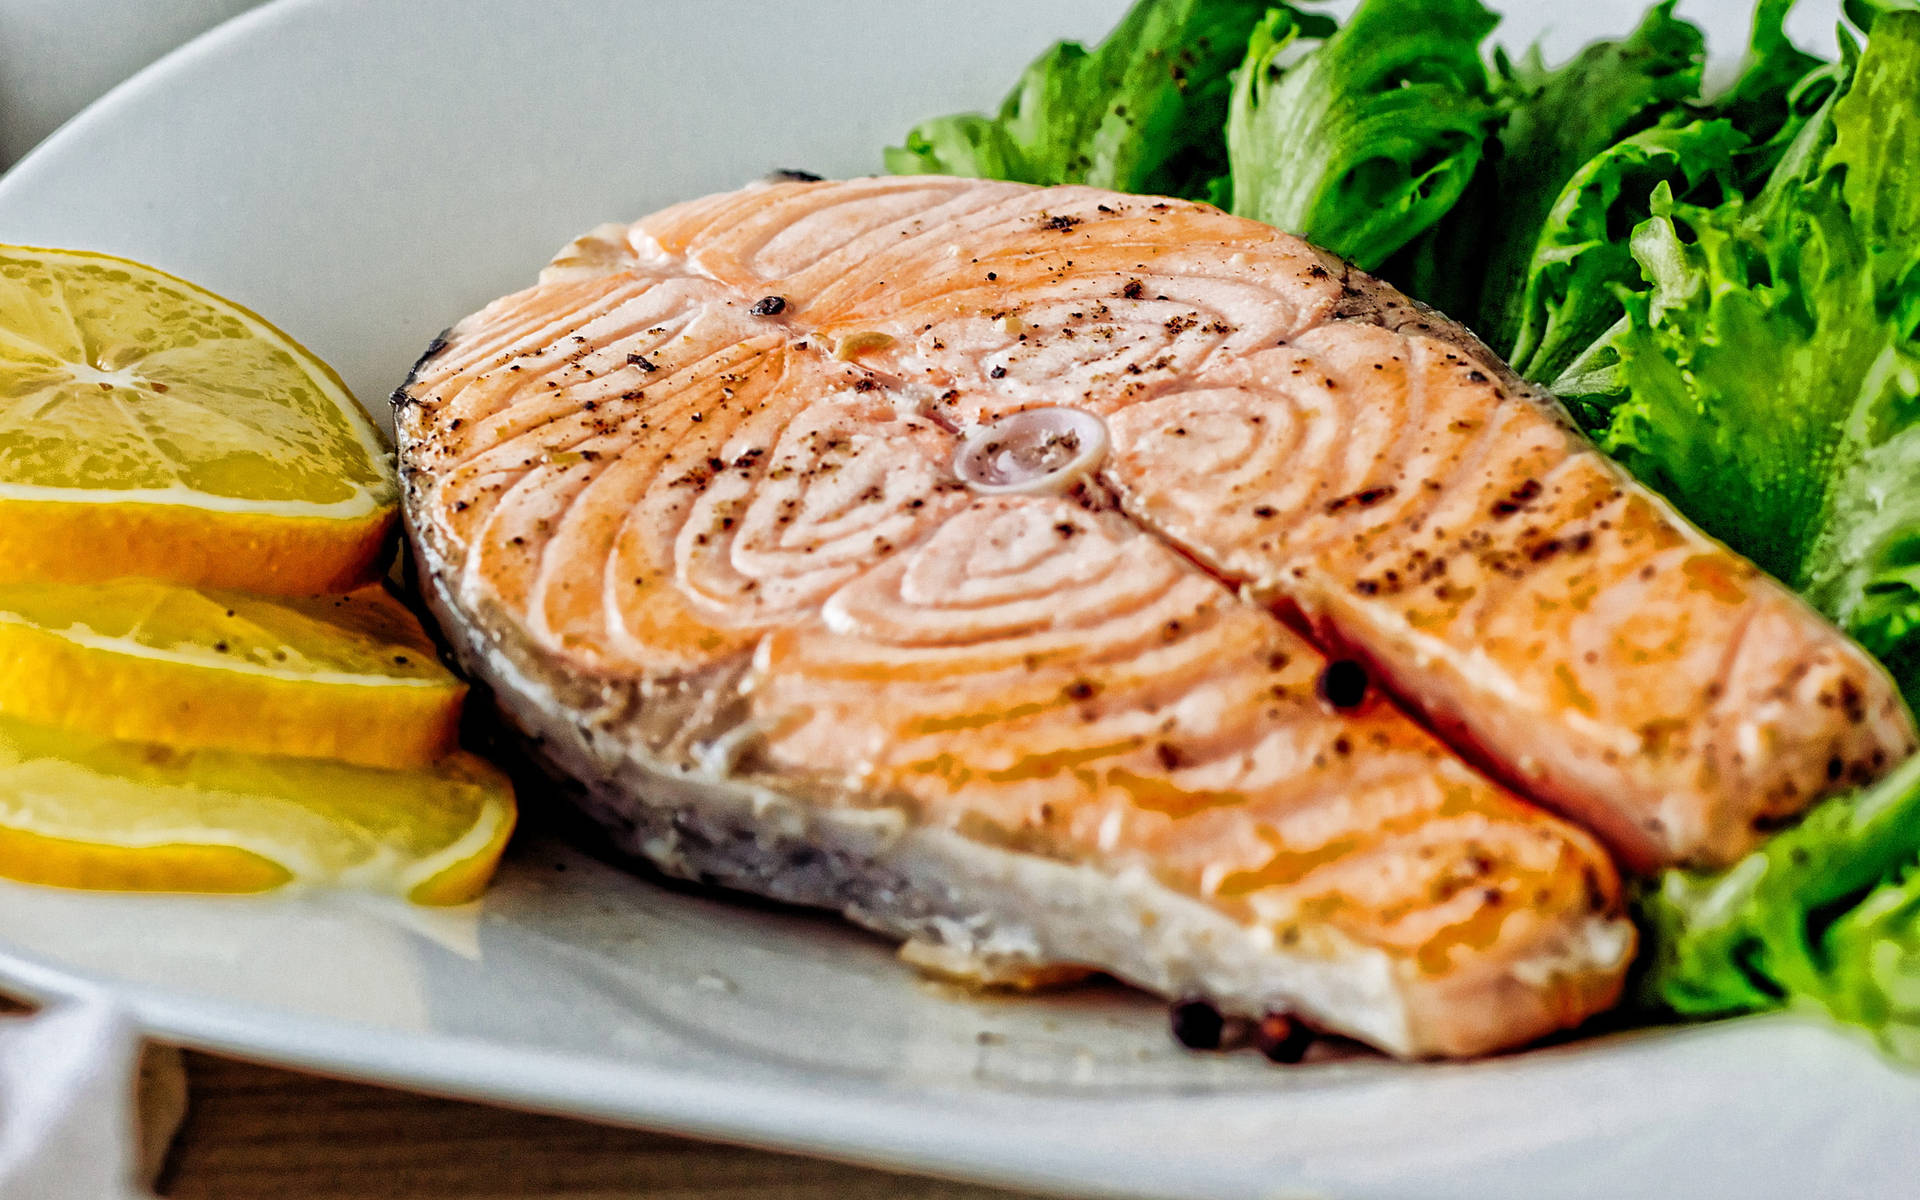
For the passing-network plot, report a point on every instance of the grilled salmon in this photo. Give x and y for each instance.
(1010, 569)
(1357, 462)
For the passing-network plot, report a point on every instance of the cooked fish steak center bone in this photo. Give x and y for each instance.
(718, 555)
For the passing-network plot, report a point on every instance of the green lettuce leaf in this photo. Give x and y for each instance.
(1864, 12)
(1143, 111)
(1742, 366)
(1771, 371)
(1558, 121)
(1773, 390)
(1824, 914)
(1582, 258)
(1362, 140)
(1747, 135)
(1536, 251)
(1863, 568)
(1762, 101)
(1781, 90)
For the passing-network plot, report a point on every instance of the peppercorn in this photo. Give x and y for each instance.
(1343, 684)
(1197, 1025)
(1281, 1038)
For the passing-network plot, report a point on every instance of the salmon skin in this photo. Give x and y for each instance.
(940, 552)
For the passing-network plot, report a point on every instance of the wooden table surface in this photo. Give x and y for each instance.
(254, 1133)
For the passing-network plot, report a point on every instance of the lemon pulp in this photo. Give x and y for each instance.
(149, 427)
(80, 811)
(351, 677)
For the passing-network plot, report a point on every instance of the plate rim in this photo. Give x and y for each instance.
(784, 1117)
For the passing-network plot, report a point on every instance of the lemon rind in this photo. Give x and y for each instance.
(89, 639)
(363, 503)
(368, 864)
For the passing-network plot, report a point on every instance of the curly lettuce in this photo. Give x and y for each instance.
(1359, 136)
(1537, 258)
(1557, 122)
(1363, 139)
(1143, 111)
(1864, 12)
(1570, 302)
(1771, 99)
(1822, 915)
(1772, 380)
(1771, 372)
(1556, 314)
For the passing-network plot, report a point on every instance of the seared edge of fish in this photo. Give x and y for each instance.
(976, 909)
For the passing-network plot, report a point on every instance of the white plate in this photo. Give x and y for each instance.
(365, 172)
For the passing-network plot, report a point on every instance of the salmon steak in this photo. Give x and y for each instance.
(1056, 580)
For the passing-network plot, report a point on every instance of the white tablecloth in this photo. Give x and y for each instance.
(67, 1114)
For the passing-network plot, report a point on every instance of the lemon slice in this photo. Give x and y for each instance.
(85, 812)
(349, 677)
(151, 428)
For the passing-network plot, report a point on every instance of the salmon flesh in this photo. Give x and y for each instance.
(1051, 578)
